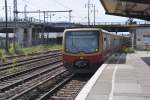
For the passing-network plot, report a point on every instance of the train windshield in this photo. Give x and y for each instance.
(86, 42)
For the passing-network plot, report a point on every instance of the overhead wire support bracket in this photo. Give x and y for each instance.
(43, 11)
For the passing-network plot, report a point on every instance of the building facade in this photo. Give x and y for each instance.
(141, 36)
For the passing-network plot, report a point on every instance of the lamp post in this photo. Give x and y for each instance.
(88, 6)
(88, 12)
(94, 12)
(7, 50)
(70, 15)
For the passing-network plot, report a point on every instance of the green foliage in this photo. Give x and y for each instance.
(11, 49)
(1, 53)
(14, 48)
(4, 60)
(14, 66)
(2, 56)
(147, 49)
(128, 50)
(40, 48)
(29, 50)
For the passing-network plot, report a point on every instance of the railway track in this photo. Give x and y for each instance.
(15, 87)
(25, 66)
(52, 83)
(39, 78)
(67, 89)
(30, 55)
(29, 58)
(28, 73)
(60, 86)
(16, 79)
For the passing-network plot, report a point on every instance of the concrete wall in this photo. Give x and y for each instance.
(139, 37)
(26, 37)
(19, 34)
(23, 36)
(3, 42)
(29, 32)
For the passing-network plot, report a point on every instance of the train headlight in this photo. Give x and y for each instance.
(81, 57)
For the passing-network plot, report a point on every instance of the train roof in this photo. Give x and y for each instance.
(88, 29)
(91, 29)
(83, 29)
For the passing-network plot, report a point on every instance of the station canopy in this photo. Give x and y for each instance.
(128, 8)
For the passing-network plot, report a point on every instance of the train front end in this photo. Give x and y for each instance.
(82, 53)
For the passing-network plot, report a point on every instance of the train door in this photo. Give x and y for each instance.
(112, 43)
(109, 39)
(101, 41)
(105, 43)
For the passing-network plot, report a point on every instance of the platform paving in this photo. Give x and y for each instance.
(129, 79)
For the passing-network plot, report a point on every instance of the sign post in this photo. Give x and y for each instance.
(147, 47)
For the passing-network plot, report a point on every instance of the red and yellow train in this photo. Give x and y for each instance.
(84, 49)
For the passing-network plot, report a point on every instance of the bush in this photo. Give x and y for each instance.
(11, 49)
(128, 50)
(131, 50)
(1, 53)
(4, 60)
(40, 48)
(14, 49)
(14, 65)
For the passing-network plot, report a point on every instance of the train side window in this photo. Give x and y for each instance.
(105, 39)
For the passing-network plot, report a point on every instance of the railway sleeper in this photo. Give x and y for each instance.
(30, 58)
(59, 98)
(35, 86)
(25, 71)
(28, 61)
(6, 87)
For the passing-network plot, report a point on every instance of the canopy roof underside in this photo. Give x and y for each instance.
(128, 8)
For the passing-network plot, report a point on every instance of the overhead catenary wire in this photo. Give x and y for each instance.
(61, 4)
(28, 2)
(31, 5)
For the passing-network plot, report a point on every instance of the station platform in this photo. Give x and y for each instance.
(121, 77)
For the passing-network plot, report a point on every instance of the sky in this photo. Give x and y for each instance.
(78, 7)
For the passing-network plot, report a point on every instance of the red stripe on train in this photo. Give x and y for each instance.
(92, 58)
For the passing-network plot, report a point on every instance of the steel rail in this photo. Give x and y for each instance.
(34, 54)
(29, 70)
(46, 95)
(35, 86)
(30, 61)
(6, 87)
(22, 60)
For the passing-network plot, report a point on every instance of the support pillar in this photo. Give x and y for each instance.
(37, 35)
(29, 38)
(19, 36)
(132, 36)
(47, 38)
(34, 37)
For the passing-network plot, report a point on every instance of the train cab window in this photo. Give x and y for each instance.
(86, 42)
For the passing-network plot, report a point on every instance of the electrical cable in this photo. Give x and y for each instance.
(61, 4)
